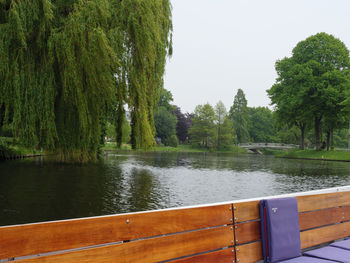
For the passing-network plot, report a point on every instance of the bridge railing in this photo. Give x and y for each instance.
(268, 144)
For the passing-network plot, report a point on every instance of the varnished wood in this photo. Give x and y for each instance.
(325, 234)
(221, 256)
(323, 201)
(249, 253)
(148, 250)
(246, 211)
(320, 218)
(247, 232)
(32, 239)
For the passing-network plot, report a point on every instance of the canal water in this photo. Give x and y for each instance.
(35, 190)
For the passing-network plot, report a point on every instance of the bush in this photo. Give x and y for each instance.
(171, 141)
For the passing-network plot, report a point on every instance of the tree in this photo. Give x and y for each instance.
(165, 123)
(65, 63)
(202, 132)
(227, 137)
(310, 84)
(183, 124)
(220, 117)
(239, 116)
(165, 120)
(287, 96)
(262, 125)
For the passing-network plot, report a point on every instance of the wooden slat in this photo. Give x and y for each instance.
(32, 239)
(249, 253)
(148, 250)
(323, 201)
(320, 218)
(247, 232)
(321, 235)
(246, 211)
(221, 256)
(346, 213)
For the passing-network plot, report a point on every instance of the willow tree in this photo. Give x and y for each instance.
(64, 64)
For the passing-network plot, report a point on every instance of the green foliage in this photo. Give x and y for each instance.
(224, 127)
(239, 116)
(165, 123)
(312, 84)
(171, 141)
(112, 134)
(65, 63)
(202, 133)
(227, 135)
(262, 125)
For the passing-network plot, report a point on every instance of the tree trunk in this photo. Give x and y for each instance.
(332, 140)
(328, 139)
(318, 132)
(302, 137)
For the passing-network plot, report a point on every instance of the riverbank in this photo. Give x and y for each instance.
(180, 148)
(11, 150)
(336, 155)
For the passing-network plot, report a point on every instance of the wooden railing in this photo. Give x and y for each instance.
(227, 232)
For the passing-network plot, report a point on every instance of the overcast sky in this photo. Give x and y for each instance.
(223, 45)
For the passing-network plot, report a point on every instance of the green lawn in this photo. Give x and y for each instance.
(313, 154)
(179, 148)
(8, 148)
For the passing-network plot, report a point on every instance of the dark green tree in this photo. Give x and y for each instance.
(239, 116)
(165, 123)
(63, 64)
(262, 125)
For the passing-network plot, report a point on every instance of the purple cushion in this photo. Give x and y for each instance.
(306, 260)
(331, 253)
(345, 244)
(280, 229)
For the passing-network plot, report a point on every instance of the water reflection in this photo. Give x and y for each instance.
(37, 190)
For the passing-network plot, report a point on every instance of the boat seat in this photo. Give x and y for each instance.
(303, 259)
(345, 244)
(281, 234)
(330, 253)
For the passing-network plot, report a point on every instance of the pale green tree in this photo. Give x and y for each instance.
(202, 132)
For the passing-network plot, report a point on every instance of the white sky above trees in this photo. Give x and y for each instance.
(223, 45)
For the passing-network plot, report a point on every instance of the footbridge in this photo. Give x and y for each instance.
(254, 147)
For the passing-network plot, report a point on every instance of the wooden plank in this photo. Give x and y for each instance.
(323, 201)
(221, 256)
(321, 235)
(346, 213)
(16, 241)
(148, 250)
(249, 253)
(320, 218)
(247, 232)
(246, 211)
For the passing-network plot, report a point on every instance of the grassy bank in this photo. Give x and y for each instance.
(10, 149)
(180, 148)
(336, 155)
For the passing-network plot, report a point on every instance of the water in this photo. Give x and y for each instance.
(36, 190)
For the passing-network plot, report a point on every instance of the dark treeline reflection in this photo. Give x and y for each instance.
(39, 190)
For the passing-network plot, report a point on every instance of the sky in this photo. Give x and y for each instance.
(223, 45)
